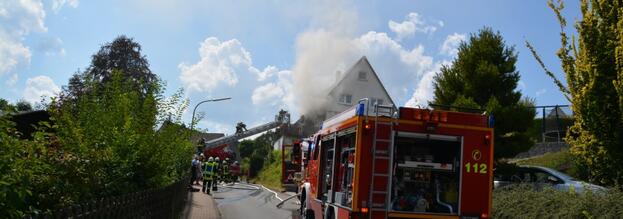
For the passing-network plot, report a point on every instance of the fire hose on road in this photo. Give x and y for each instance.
(253, 187)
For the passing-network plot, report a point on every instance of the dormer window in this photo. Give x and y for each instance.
(362, 76)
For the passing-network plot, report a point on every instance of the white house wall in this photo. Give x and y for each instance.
(370, 88)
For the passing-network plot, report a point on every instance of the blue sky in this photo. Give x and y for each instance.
(268, 55)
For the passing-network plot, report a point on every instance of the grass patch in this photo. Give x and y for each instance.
(270, 175)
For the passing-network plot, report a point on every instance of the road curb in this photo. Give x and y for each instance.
(215, 207)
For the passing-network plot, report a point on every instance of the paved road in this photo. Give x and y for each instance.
(243, 200)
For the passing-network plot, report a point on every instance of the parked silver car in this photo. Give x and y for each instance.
(542, 177)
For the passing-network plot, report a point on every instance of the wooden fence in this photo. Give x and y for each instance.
(167, 202)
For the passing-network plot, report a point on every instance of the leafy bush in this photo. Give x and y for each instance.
(112, 134)
(523, 201)
(109, 143)
(20, 164)
(593, 67)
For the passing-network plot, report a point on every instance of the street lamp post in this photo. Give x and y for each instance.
(192, 121)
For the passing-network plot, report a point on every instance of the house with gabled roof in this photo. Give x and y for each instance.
(358, 82)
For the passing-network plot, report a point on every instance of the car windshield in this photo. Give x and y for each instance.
(559, 174)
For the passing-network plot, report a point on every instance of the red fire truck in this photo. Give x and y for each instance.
(221, 151)
(291, 164)
(414, 163)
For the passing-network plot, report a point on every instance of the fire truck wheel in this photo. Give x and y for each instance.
(303, 204)
(306, 212)
(309, 214)
(330, 214)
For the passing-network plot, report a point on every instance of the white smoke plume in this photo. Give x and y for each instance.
(322, 50)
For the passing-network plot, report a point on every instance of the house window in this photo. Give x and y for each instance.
(376, 101)
(363, 76)
(345, 99)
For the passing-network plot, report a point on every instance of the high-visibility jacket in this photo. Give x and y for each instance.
(208, 170)
(217, 168)
(225, 169)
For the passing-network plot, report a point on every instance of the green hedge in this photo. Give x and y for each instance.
(524, 202)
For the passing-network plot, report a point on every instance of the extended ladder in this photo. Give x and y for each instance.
(381, 159)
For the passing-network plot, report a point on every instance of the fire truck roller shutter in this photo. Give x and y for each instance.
(427, 173)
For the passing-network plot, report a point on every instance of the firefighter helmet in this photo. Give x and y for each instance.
(210, 159)
(216, 159)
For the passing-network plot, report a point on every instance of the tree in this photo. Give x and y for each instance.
(22, 106)
(122, 54)
(593, 67)
(484, 76)
(246, 148)
(5, 106)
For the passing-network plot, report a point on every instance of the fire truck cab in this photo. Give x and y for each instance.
(414, 163)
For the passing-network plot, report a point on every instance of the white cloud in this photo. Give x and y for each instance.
(12, 54)
(278, 93)
(22, 17)
(398, 67)
(40, 86)
(12, 80)
(377, 43)
(18, 19)
(267, 94)
(219, 62)
(268, 72)
(412, 24)
(286, 83)
(215, 127)
(425, 88)
(451, 44)
(227, 64)
(541, 92)
(57, 5)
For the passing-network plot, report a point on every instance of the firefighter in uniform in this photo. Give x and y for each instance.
(209, 175)
(225, 171)
(217, 173)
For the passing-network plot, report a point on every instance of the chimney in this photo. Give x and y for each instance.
(338, 76)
